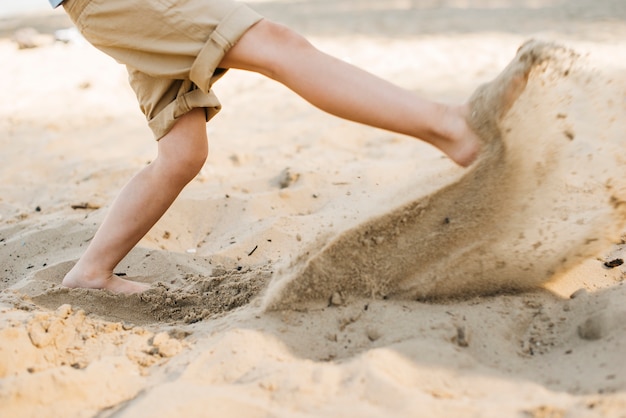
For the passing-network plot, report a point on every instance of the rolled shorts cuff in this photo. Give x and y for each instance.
(165, 120)
(203, 71)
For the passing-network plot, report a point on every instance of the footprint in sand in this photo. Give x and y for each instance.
(546, 193)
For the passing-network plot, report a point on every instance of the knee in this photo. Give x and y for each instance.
(183, 152)
(186, 164)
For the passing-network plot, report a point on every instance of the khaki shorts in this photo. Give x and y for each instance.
(171, 48)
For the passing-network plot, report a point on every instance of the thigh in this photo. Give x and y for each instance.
(264, 47)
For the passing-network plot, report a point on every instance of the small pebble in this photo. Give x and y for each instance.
(373, 334)
(614, 263)
(580, 293)
(594, 328)
(336, 299)
(461, 337)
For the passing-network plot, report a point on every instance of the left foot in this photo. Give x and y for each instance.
(74, 279)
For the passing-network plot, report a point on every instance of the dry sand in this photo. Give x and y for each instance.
(320, 268)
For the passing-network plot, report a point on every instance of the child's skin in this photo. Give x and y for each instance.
(330, 84)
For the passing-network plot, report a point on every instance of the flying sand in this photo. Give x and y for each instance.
(544, 195)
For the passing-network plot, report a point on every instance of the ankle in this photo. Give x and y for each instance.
(82, 277)
(456, 138)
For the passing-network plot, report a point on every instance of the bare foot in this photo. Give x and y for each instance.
(467, 128)
(462, 144)
(491, 101)
(111, 282)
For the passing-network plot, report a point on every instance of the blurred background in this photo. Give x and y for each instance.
(579, 19)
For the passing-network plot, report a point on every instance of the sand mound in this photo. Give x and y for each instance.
(108, 356)
(174, 296)
(547, 193)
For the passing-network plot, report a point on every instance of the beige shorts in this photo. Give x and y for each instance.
(171, 48)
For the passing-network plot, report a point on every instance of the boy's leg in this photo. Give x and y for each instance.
(140, 204)
(348, 92)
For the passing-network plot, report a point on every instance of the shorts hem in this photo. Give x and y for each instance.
(164, 121)
(224, 37)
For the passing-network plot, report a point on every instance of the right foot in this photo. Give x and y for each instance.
(463, 144)
(106, 282)
(475, 124)
(491, 101)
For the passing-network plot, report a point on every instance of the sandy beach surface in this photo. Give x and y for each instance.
(316, 267)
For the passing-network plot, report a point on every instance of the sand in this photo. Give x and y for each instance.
(542, 198)
(321, 268)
